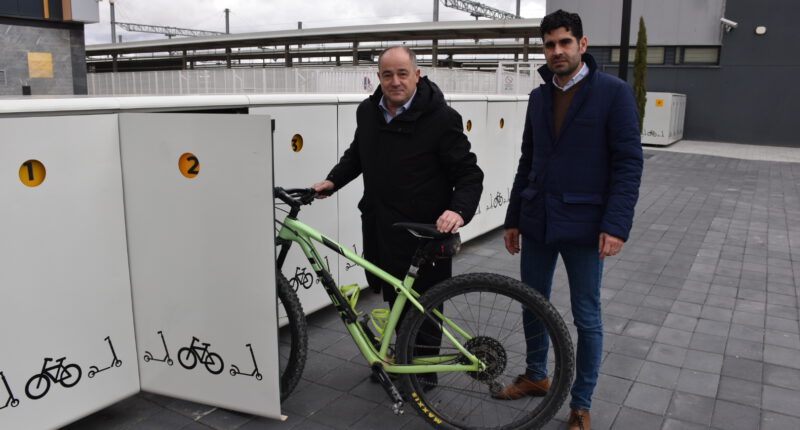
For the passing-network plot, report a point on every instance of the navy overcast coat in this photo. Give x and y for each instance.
(568, 190)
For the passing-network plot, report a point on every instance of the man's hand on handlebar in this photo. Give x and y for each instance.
(323, 189)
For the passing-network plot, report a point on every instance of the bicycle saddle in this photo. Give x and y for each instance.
(420, 230)
(437, 245)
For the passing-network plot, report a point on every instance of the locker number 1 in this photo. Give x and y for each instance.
(32, 173)
(189, 165)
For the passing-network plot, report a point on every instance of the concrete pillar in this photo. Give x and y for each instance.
(355, 53)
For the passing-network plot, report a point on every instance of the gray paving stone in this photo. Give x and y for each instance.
(621, 366)
(700, 383)
(343, 412)
(672, 424)
(788, 357)
(631, 346)
(164, 420)
(629, 418)
(746, 332)
(641, 330)
(717, 328)
(309, 400)
(739, 391)
(691, 407)
(657, 303)
(742, 368)
(223, 419)
(783, 324)
(659, 375)
(773, 421)
(780, 376)
(667, 354)
(671, 336)
(648, 398)
(781, 400)
(680, 322)
(708, 343)
(748, 318)
(745, 349)
(735, 416)
(612, 388)
(703, 361)
(614, 324)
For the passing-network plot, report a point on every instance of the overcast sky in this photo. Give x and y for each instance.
(263, 15)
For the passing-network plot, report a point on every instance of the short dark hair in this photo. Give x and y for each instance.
(560, 18)
(411, 55)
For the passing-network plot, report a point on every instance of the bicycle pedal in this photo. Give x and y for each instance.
(388, 386)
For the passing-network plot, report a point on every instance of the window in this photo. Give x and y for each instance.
(655, 55)
(700, 55)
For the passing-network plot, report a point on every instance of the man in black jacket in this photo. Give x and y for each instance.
(417, 167)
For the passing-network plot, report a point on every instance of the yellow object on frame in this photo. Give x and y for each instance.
(40, 65)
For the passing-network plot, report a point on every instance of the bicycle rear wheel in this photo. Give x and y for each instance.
(488, 307)
(292, 338)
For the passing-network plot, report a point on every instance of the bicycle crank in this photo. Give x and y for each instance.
(389, 387)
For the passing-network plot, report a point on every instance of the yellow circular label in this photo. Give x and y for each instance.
(469, 125)
(189, 165)
(32, 173)
(502, 122)
(297, 143)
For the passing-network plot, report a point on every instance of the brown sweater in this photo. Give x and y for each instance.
(561, 102)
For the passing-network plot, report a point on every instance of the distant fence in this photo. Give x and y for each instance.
(509, 78)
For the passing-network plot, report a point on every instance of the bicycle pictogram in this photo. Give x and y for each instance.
(348, 266)
(12, 401)
(255, 373)
(148, 356)
(188, 356)
(497, 200)
(38, 386)
(115, 362)
(301, 278)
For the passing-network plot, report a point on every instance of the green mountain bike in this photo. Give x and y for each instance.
(481, 347)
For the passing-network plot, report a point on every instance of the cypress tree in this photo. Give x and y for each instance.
(640, 71)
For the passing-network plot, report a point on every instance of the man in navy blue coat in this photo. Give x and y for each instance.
(573, 195)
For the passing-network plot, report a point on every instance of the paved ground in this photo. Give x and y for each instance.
(700, 312)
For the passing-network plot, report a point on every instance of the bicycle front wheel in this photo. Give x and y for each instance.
(292, 338)
(483, 311)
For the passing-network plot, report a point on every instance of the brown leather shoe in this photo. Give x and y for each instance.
(523, 386)
(579, 420)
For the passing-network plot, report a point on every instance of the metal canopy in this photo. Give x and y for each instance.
(448, 30)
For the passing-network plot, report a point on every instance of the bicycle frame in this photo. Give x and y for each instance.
(296, 231)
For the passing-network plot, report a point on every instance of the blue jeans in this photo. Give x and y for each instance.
(585, 271)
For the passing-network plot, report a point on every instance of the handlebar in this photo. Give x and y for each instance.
(296, 197)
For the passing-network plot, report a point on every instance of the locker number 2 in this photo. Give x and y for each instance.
(189, 165)
(32, 173)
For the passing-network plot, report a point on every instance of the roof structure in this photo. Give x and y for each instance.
(338, 41)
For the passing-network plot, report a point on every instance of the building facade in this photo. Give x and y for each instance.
(43, 49)
(738, 80)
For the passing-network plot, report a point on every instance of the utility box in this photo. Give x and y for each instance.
(663, 118)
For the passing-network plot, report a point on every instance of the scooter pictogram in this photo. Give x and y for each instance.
(39, 384)
(188, 356)
(115, 362)
(13, 401)
(148, 356)
(235, 369)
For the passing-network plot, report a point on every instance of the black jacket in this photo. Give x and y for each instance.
(415, 167)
